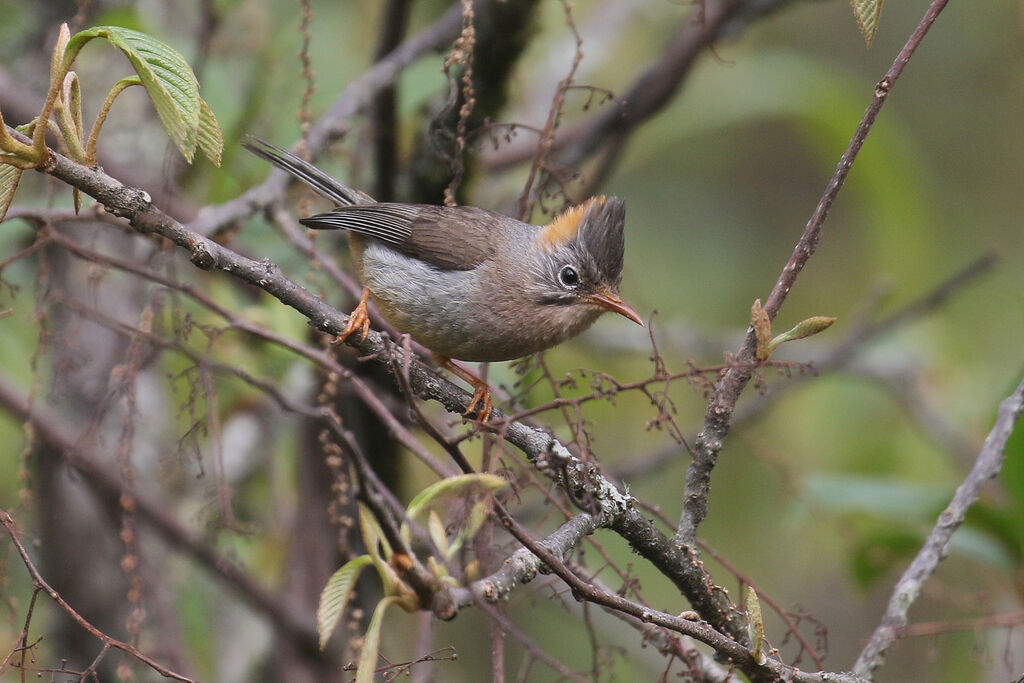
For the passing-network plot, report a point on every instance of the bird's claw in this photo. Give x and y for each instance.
(481, 398)
(359, 319)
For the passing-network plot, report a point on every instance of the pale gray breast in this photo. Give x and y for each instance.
(489, 313)
(427, 302)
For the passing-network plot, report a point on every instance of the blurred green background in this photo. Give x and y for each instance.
(822, 498)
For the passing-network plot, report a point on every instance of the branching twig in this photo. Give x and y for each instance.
(107, 641)
(334, 123)
(727, 392)
(48, 429)
(769, 669)
(649, 92)
(583, 480)
(840, 356)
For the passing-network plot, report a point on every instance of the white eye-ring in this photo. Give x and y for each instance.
(569, 278)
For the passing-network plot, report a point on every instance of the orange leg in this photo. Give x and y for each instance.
(358, 319)
(481, 403)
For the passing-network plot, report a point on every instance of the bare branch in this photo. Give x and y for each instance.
(49, 429)
(727, 392)
(649, 92)
(107, 641)
(334, 123)
(582, 479)
(523, 565)
(768, 669)
(840, 356)
(935, 548)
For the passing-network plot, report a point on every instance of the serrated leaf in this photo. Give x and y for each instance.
(10, 176)
(867, 13)
(452, 486)
(211, 140)
(165, 74)
(367, 666)
(334, 597)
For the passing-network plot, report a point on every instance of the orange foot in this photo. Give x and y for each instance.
(481, 396)
(358, 319)
(481, 404)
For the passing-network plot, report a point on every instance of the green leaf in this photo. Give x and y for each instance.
(477, 516)
(437, 534)
(755, 624)
(375, 542)
(452, 486)
(876, 496)
(335, 596)
(880, 551)
(211, 141)
(9, 178)
(166, 76)
(456, 485)
(367, 666)
(804, 328)
(867, 13)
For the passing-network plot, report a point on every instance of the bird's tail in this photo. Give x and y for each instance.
(320, 182)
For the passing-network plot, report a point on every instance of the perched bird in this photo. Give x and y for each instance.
(472, 284)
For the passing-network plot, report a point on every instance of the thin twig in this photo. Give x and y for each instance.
(1007, 620)
(583, 480)
(838, 357)
(767, 670)
(648, 93)
(728, 390)
(334, 123)
(107, 641)
(50, 430)
(936, 546)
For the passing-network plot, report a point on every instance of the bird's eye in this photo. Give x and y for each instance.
(568, 277)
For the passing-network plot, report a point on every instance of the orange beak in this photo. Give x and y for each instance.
(611, 301)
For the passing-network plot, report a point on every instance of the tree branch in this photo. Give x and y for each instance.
(523, 565)
(107, 641)
(334, 123)
(935, 548)
(728, 390)
(648, 93)
(109, 485)
(582, 479)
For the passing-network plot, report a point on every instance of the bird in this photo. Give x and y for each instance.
(468, 283)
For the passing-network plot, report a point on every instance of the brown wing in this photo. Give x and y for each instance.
(449, 237)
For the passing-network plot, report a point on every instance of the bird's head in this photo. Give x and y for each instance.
(581, 254)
